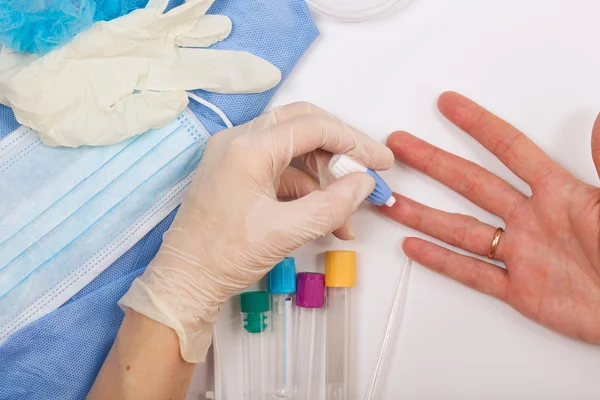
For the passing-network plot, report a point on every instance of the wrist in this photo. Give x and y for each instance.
(171, 297)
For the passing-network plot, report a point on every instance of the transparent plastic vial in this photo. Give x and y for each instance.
(255, 344)
(309, 338)
(282, 286)
(340, 279)
(380, 371)
(355, 10)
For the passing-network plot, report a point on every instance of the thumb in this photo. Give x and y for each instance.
(209, 30)
(596, 144)
(130, 116)
(323, 211)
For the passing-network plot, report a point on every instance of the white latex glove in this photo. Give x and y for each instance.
(83, 93)
(231, 228)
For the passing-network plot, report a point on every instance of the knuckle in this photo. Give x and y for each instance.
(459, 234)
(297, 108)
(504, 144)
(475, 276)
(477, 122)
(432, 161)
(467, 183)
(445, 264)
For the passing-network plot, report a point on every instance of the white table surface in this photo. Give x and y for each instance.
(535, 63)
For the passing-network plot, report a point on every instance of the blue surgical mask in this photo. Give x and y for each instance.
(70, 213)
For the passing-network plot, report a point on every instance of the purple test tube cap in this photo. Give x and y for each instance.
(310, 289)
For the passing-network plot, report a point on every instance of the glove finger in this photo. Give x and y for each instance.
(220, 71)
(182, 18)
(284, 113)
(133, 115)
(324, 211)
(302, 135)
(317, 164)
(209, 30)
(295, 184)
(160, 5)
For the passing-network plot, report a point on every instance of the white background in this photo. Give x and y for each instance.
(535, 63)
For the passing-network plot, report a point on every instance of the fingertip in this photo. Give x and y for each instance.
(389, 158)
(448, 97)
(409, 246)
(596, 126)
(407, 241)
(394, 137)
(448, 101)
(396, 140)
(389, 211)
(346, 232)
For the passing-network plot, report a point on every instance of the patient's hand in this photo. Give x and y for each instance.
(551, 246)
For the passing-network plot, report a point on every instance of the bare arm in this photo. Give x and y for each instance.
(144, 363)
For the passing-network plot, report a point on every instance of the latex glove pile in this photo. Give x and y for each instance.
(231, 229)
(83, 93)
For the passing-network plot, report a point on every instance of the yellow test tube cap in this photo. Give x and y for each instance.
(340, 268)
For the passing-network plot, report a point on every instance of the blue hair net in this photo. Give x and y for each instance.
(39, 26)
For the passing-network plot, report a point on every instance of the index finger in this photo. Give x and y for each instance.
(512, 147)
(303, 134)
(284, 113)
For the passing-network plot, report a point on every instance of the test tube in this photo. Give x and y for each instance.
(255, 344)
(340, 279)
(309, 302)
(282, 286)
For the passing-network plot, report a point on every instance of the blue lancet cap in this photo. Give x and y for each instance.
(382, 193)
(282, 278)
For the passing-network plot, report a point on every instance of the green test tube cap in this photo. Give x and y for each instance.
(255, 305)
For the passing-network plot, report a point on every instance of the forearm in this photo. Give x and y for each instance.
(144, 363)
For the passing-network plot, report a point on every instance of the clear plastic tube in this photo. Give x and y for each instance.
(282, 286)
(391, 332)
(339, 343)
(255, 344)
(282, 346)
(309, 344)
(309, 336)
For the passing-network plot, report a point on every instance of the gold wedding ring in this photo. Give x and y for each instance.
(495, 242)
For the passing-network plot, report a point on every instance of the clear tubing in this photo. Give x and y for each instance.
(391, 332)
(255, 350)
(282, 346)
(339, 328)
(308, 349)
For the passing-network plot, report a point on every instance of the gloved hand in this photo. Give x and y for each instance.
(231, 229)
(83, 93)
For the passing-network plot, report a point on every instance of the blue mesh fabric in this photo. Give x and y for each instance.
(39, 26)
(59, 355)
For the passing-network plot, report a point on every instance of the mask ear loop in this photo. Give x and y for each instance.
(214, 108)
(217, 393)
